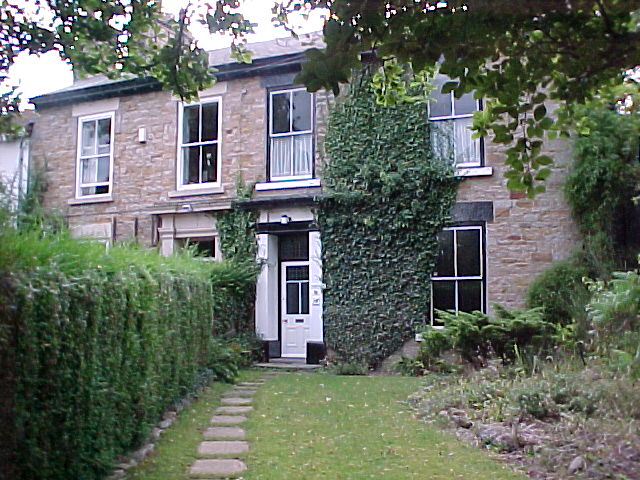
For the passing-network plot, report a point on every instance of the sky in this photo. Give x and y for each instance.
(37, 75)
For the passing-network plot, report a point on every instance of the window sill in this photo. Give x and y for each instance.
(283, 184)
(195, 191)
(84, 201)
(474, 172)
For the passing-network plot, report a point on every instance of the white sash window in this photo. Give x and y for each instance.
(94, 168)
(290, 135)
(450, 127)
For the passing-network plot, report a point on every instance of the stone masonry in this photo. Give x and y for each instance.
(524, 237)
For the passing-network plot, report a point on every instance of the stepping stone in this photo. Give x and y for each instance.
(235, 401)
(233, 410)
(224, 432)
(218, 466)
(251, 384)
(244, 389)
(239, 393)
(228, 447)
(228, 419)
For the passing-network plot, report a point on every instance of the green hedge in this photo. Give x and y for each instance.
(94, 346)
(386, 199)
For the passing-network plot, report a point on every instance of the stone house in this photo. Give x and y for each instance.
(127, 160)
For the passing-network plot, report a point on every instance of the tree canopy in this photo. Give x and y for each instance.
(518, 56)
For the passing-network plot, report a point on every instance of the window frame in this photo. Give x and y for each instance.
(180, 186)
(453, 117)
(456, 278)
(290, 90)
(182, 242)
(79, 157)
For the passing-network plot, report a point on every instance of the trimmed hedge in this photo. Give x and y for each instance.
(95, 345)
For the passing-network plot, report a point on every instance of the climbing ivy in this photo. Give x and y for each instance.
(236, 229)
(386, 199)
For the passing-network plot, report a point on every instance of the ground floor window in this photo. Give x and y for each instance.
(205, 246)
(458, 282)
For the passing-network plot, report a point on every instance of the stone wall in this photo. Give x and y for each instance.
(144, 175)
(526, 235)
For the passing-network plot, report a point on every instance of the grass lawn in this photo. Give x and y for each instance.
(176, 449)
(317, 426)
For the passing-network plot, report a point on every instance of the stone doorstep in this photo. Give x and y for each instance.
(233, 410)
(236, 401)
(224, 432)
(217, 466)
(222, 447)
(228, 419)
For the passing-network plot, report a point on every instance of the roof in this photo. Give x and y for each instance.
(271, 55)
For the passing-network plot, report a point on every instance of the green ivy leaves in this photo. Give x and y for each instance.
(386, 200)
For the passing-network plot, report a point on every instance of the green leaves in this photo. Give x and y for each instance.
(385, 201)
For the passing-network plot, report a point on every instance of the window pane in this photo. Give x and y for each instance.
(280, 113)
(89, 173)
(301, 111)
(467, 150)
(469, 295)
(190, 165)
(444, 262)
(304, 297)
(302, 155)
(281, 156)
(441, 103)
(104, 135)
(293, 299)
(88, 138)
(297, 273)
(209, 121)
(468, 244)
(443, 296)
(191, 124)
(294, 247)
(465, 104)
(442, 138)
(205, 247)
(209, 163)
(103, 169)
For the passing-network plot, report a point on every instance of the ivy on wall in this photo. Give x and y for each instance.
(386, 199)
(236, 229)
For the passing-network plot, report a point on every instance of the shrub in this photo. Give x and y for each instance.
(560, 292)
(98, 344)
(478, 336)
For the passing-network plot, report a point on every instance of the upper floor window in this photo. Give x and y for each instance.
(451, 120)
(290, 134)
(458, 282)
(94, 168)
(199, 144)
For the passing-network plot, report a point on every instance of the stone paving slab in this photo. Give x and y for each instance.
(232, 410)
(236, 401)
(218, 466)
(224, 432)
(239, 393)
(223, 447)
(228, 419)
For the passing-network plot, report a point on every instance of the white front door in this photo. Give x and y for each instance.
(294, 301)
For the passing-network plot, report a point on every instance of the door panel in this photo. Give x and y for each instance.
(296, 321)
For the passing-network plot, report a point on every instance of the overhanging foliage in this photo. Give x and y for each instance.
(386, 200)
